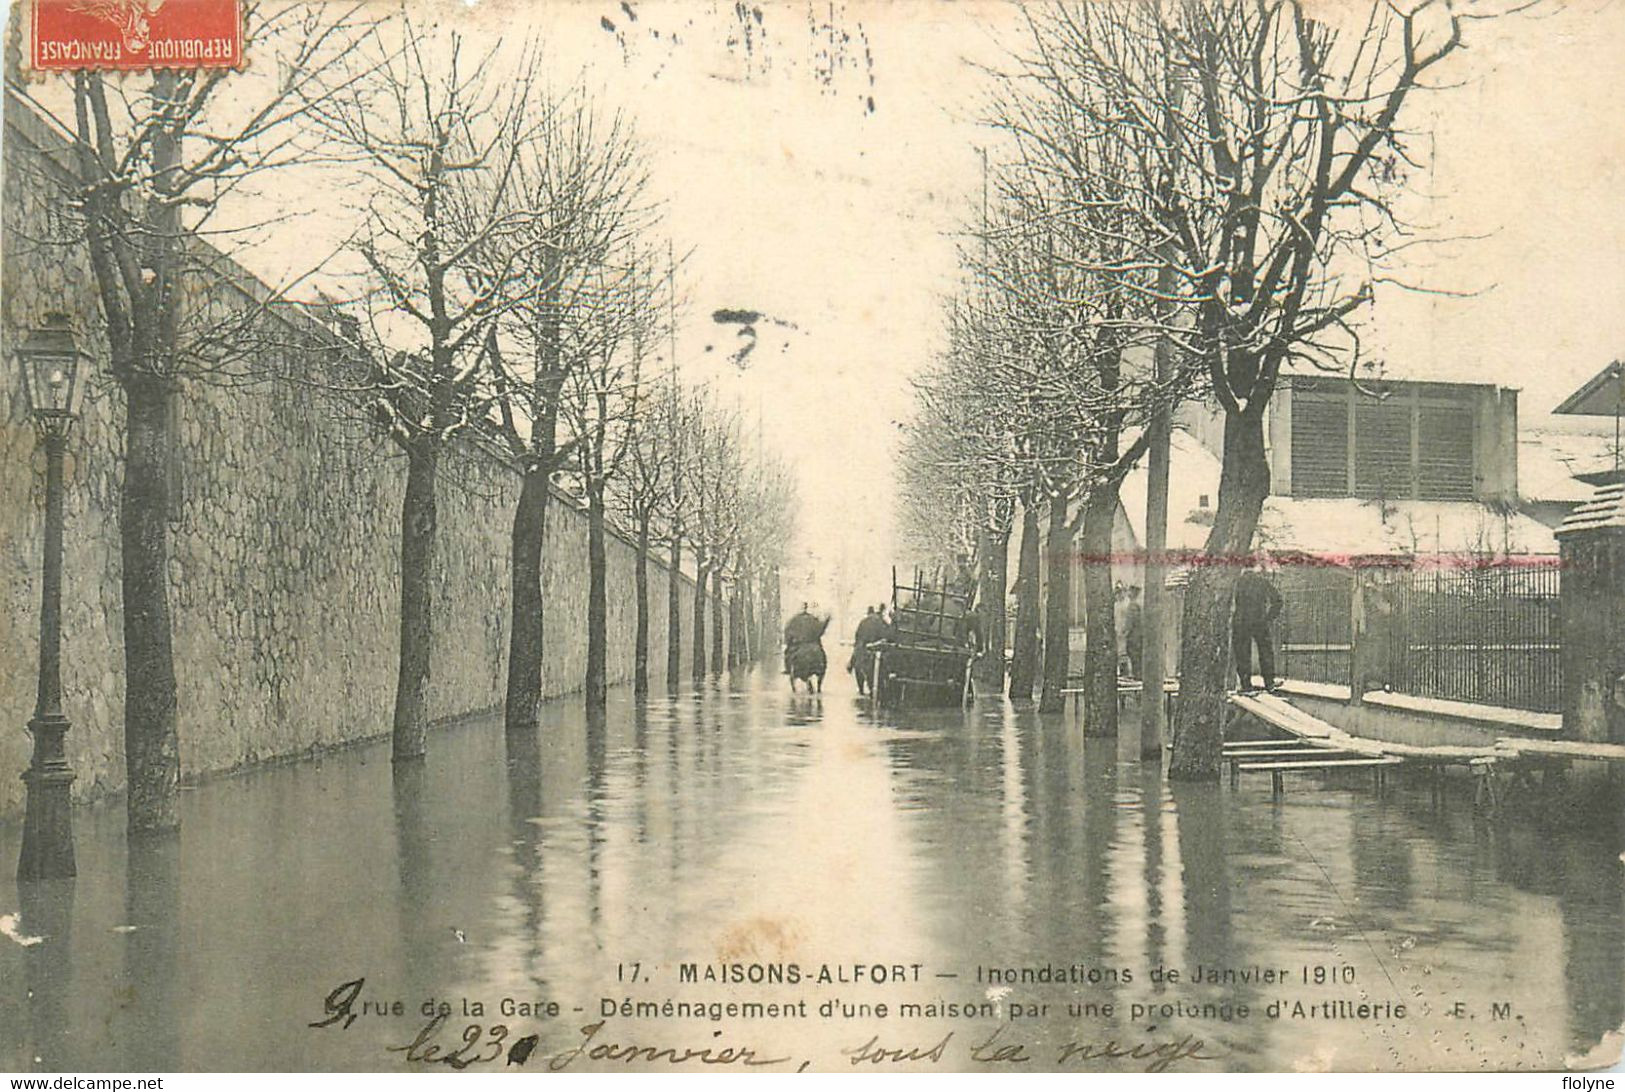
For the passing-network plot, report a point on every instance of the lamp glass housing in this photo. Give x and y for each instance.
(53, 372)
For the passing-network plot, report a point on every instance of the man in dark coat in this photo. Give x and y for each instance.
(868, 632)
(800, 629)
(1133, 630)
(1257, 605)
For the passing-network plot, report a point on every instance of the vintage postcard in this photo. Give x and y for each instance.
(579, 536)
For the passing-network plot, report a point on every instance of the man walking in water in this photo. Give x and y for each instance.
(1257, 605)
(869, 631)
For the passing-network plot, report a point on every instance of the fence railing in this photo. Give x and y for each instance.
(1316, 624)
(1487, 635)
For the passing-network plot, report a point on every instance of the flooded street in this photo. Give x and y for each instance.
(741, 827)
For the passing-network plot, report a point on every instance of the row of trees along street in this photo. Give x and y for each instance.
(1181, 198)
(510, 294)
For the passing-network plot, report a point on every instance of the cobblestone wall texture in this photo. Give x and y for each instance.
(284, 551)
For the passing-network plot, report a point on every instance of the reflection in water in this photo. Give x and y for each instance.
(526, 906)
(1201, 818)
(149, 994)
(46, 922)
(415, 914)
(736, 823)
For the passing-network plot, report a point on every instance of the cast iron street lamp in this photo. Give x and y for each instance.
(53, 382)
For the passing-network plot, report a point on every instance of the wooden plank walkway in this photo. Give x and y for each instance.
(1520, 747)
(1313, 744)
(1126, 689)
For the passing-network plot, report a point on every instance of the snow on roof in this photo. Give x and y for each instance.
(1335, 527)
(1467, 373)
(1193, 473)
(1549, 458)
(1604, 510)
(1348, 527)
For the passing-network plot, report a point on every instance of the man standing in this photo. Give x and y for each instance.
(1257, 605)
(1133, 629)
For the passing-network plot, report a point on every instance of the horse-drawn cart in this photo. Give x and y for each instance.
(926, 657)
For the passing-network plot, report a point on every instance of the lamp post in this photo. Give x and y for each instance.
(53, 382)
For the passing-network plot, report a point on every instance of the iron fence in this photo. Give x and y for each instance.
(1487, 635)
(1315, 625)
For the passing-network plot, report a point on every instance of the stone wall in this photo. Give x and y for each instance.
(284, 553)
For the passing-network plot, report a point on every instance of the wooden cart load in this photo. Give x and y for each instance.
(926, 657)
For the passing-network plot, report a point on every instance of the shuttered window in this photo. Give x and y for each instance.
(1382, 448)
(1320, 444)
(1412, 443)
(1445, 452)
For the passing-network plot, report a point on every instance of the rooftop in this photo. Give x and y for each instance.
(1605, 510)
(1603, 395)
(1339, 528)
(1557, 455)
(1344, 528)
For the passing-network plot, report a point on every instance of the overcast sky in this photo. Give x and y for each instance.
(798, 199)
(800, 202)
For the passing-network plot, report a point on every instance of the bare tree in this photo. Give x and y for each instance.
(442, 137)
(600, 401)
(771, 527)
(722, 526)
(712, 473)
(1101, 306)
(677, 507)
(645, 498)
(1282, 131)
(1245, 152)
(157, 157)
(961, 474)
(580, 188)
(766, 525)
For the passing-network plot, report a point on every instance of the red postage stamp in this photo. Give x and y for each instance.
(125, 35)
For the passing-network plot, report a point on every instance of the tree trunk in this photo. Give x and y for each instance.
(417, 603)
(151, 744)
(1100, 616)
(736, 629)
(1024, 654)
(151, 740)
(698, 657)
(640, 650)
(772, 619)
(995, 579)
(1204, 650)
(525, 624)
(596, 689)
(1058, 610)
(674, 615)
(749, 649)
(716, 620)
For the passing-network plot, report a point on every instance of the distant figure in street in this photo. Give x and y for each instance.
(862, 662)
(1133, 629)
(1257, 605)
(804, 658)
(800, 629)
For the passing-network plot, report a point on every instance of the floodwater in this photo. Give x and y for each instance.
(741, 827)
